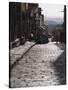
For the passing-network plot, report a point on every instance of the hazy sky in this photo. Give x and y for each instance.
(52, 10)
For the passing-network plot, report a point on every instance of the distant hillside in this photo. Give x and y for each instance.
(52, 22)
(49, 20)
(51, 25)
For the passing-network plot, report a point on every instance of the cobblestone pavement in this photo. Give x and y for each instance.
(39, 67)
(17, 52)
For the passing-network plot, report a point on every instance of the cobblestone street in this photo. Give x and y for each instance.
(42, 65)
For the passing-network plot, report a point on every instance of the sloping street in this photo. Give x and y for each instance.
(42, 65)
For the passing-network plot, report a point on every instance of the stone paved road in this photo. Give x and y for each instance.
(43, 65)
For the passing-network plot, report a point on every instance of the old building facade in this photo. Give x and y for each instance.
(24, 18)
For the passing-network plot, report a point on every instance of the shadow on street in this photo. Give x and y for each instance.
(60, 68)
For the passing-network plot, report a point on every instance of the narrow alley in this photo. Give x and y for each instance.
(37, 44)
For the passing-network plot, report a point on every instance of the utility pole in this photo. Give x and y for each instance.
(65, 23)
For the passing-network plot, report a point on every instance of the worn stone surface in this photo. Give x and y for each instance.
(39, 67)
(17, 52)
